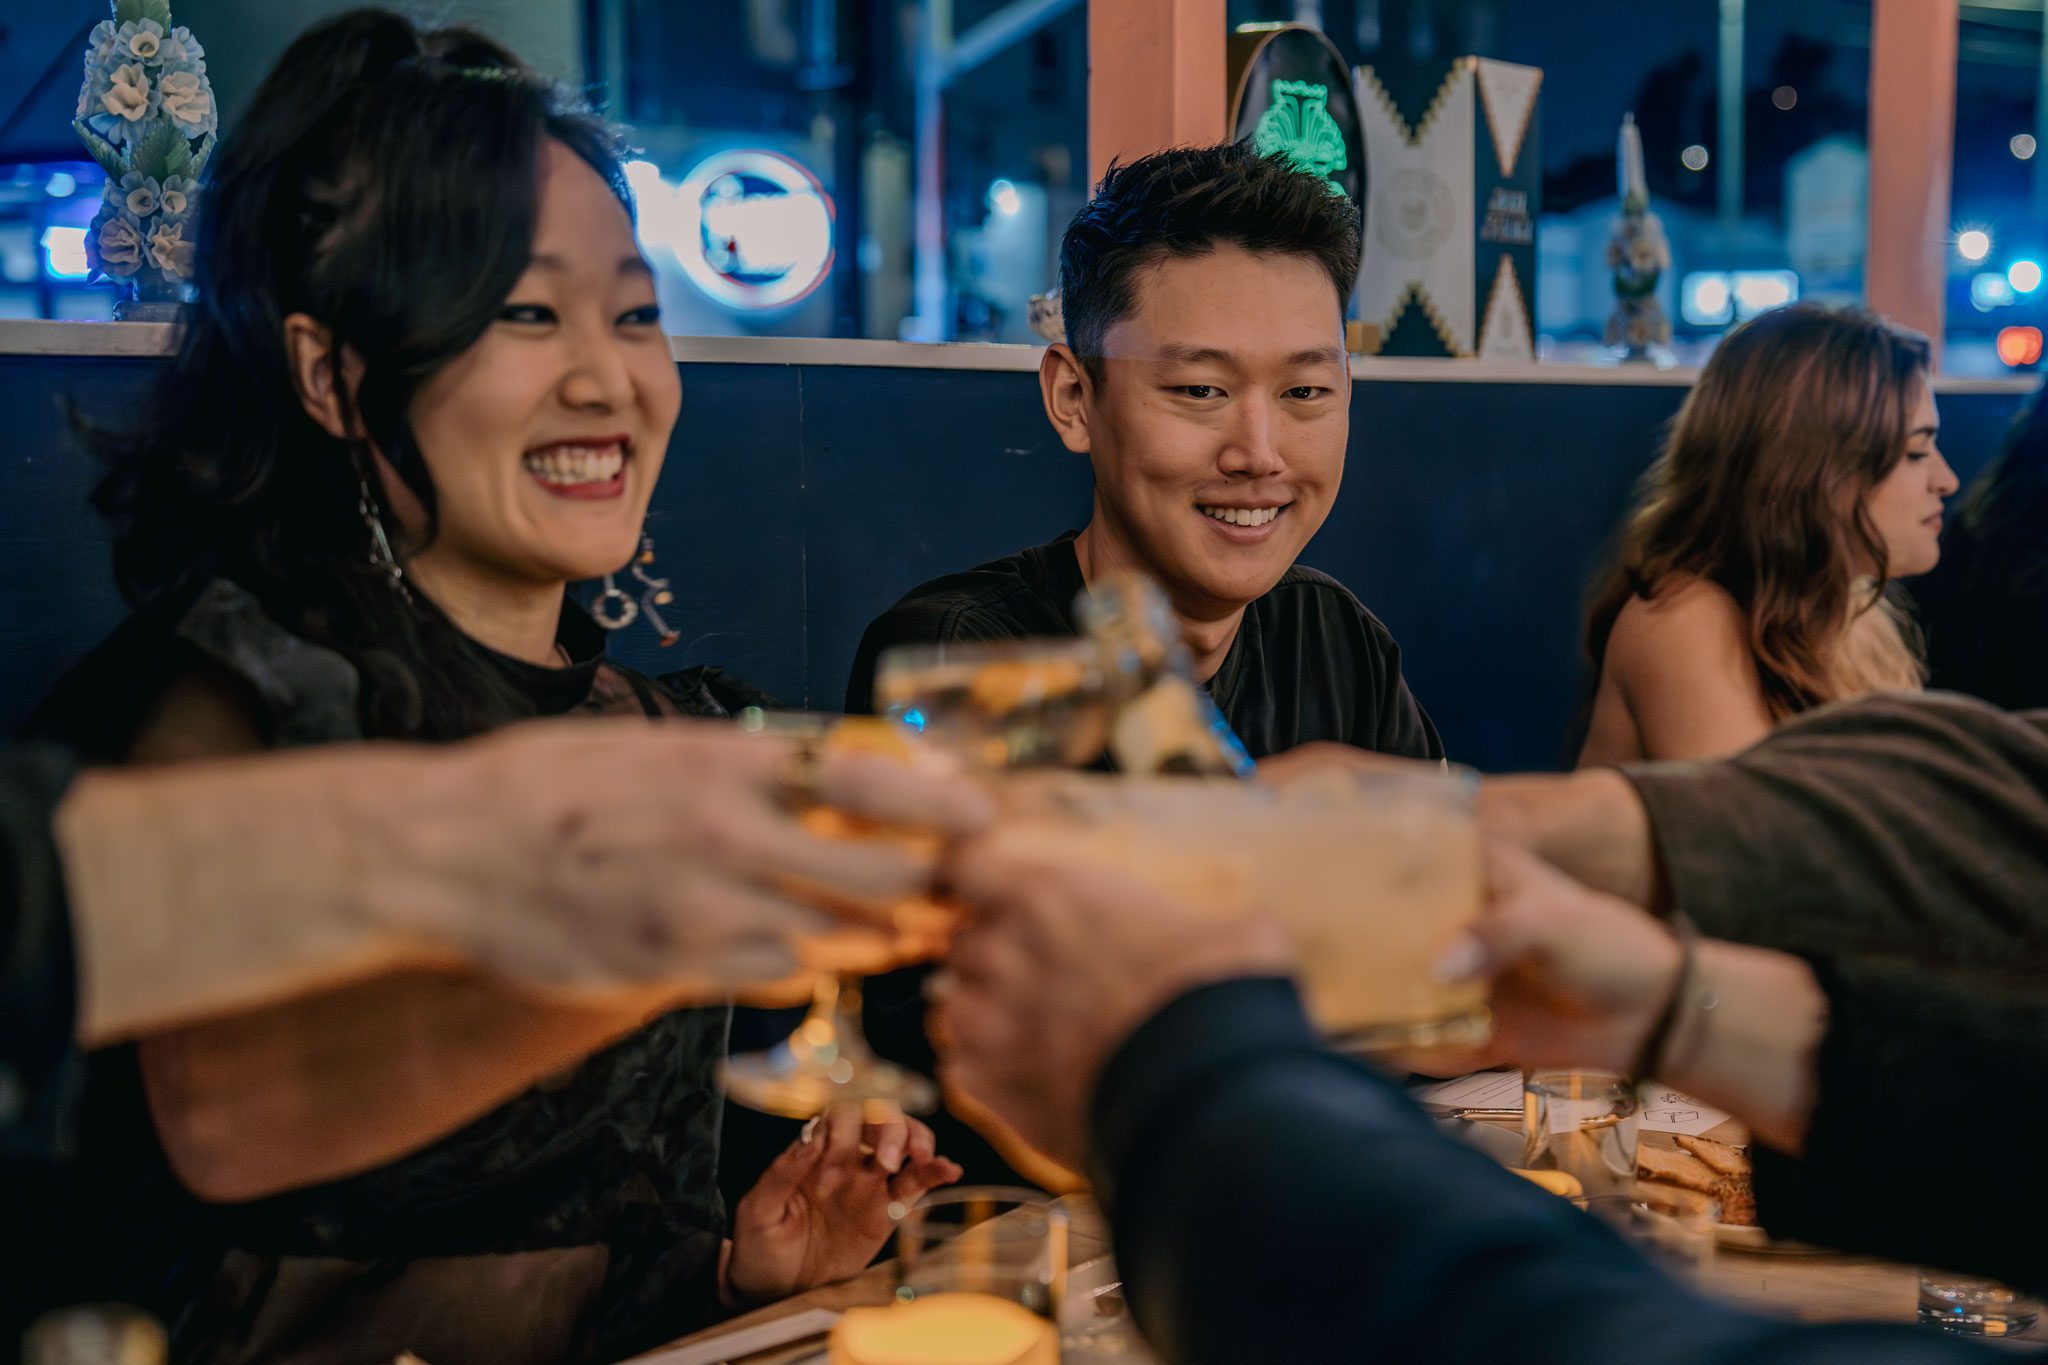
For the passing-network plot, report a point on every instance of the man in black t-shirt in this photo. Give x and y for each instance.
(1205, 378)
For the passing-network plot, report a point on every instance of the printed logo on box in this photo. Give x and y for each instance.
(1422, 213)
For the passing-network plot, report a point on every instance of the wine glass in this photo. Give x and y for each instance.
(1125, 685)
(1055, 702)
(1001, 704)
(827, 1060)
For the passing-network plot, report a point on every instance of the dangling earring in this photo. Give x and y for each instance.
(615, 609)
(380, 544)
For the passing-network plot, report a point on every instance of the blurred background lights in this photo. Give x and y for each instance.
(1714, 298)
(1707, 299)
(1989, 290)
(1758, 290)
(64, 253)
(2019, 346)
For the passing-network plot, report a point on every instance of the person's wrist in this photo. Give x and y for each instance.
(728, 1298)
(413, 851)
(1504, 812)
(737, 1285)
(1667, 1007)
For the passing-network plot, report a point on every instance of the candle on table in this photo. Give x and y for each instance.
(945, 1329)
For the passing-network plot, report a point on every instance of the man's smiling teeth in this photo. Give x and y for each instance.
(576, 464)
(1242, 516)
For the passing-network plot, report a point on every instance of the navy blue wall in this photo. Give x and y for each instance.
(799, 501)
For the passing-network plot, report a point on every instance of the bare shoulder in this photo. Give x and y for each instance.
(1682, 667)
(1689, 621)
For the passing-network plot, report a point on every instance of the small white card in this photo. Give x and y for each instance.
(1667, 1111)
(1480, 1090)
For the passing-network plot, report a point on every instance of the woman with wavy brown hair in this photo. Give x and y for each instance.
(1800, 477)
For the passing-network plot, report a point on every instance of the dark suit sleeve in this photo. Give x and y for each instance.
(1272, 1201)
(38, 1059)
(1881, 826)
(1929, 1084)
(931, 621)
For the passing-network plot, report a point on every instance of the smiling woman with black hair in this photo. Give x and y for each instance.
(424, 389)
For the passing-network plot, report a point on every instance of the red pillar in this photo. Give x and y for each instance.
(1156, 71)
(1912, 141)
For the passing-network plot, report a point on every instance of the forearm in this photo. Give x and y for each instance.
(1747, 1039)
(1880, 825)
(349, 1079)
(211, 888)
(1591, 824)
(259, 920)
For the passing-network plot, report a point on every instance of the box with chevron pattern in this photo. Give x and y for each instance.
(1455, 189)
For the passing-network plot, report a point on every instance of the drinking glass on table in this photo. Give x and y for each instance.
(1583, 1123)
(985, 1239)
(982, 1273)
(1974, 1307)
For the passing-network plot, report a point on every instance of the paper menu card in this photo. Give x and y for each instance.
(1664, 1110)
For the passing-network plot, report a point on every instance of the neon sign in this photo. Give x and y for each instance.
(1297, 124)
(753, 229)
(1292, 98)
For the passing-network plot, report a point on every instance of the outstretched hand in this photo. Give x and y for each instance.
(822, 1210)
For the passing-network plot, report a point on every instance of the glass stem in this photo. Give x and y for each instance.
(845, 1013)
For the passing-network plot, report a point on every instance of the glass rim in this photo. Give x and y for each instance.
(976, 1194)
(1531, 1080)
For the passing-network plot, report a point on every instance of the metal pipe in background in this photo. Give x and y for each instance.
(934, 54)
(2041, 130)
(1728, 155)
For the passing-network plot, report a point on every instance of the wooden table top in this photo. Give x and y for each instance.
(1812, 1287)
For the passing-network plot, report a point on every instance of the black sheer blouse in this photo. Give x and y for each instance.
(581, 1220)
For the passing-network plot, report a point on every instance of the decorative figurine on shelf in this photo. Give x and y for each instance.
(1639, 254)
(1048, 319)
(146, 115)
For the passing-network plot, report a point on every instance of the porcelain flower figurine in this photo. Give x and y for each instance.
(147, 115)
(1638, 253)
